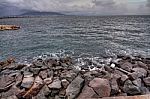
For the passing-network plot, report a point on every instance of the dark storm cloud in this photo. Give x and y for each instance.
(148, 3)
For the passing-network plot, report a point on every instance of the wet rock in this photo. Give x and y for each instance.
(74, 88)
(126, 66)
(114, 87)
(137, 82)
(101, 87)
(147, 81)
(87, 92)
(64, 83)
(138, 73)
(56, 84)
(131, 89)
(27, 82)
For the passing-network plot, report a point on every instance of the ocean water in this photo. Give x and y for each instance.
(78, 36)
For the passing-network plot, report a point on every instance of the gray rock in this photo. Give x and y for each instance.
(64, 83)
(114, 87)
(147, 81)
(144, 91)
(56, 84)
(27, 74)
(137, 82)
(69, 75)
(138, 73)
(126, 66)
(131, 89)
(101, 87)
(35, 71)
(142, 65)
(48, 80)
(74, 88)
(38, 63)
(124, 78)
(27, 82)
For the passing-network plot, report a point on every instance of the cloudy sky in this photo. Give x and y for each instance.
(77, 7)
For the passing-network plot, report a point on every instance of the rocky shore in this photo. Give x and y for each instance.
(123, 78)
(9, 27)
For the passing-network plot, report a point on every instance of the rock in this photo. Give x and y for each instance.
(56, 84)
(114, 87)
(54, 92)
(6, 82)
(137, 82)
(64, 83)
(74, 88)
(43, 74)
(19, 79)
(12, 97)
(44, 92)
(27, 82)
(124, 78)
(38, 63)
(51, 62)
(62, 93)
(138, 73)
(131, 89)
(69, 75)
(13, 91)
(144, 91)
(101, 87)
(27, 74)
(48, 80)
(147, 81)
(142, 65)
(87, 92)
(35, 71)
(126, 66)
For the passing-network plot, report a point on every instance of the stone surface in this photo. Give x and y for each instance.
(124, 78)
(74, 88)
(56, 84)
(126, 66)
(48, 81)
(147, 81)
(138, 73)
(87, 92)
(27, 82)
(101, 87)
(64, 83)
(69, 75)
(114, 87)
(137, 82)
(131, 89)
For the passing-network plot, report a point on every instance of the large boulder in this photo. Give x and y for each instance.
(87, 92)
(101, 87)
(131, 89)
(74, 88)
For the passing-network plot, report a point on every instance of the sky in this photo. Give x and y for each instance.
(77, 7)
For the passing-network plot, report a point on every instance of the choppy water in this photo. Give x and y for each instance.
(77, 35)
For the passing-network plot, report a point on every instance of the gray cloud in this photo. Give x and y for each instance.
(96, 7)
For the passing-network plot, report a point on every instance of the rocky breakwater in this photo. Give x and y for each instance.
(59, 79)
(9, 27)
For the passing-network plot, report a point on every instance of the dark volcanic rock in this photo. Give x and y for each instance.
(101, 87)
(131, 89)
(87, 92)
(74, 88)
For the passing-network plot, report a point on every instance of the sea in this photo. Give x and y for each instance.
(75, 36)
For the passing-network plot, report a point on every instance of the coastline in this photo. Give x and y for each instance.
(57, 78)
